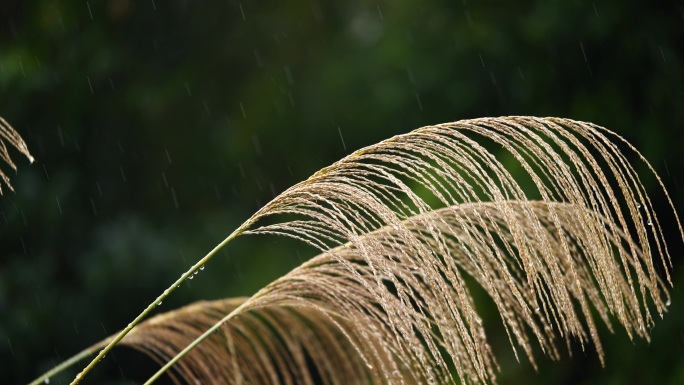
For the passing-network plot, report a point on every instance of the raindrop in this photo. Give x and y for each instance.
(638, 205)
(537, 309)
(47, 380)
(175, 198)
(668, 303)
(242, 108)
(288, 75)
(583, 53)
(202, 267)
(650, 223)
(91, 18)
(159, 304)
(257, 56)
(344, 146)
(191, 277)
(92, 205)
(195, 273)
(23, 245)
(257, 144)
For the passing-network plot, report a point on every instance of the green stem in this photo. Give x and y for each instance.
(194, 343)
(154, 303)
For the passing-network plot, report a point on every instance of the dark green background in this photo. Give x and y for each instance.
(157, 131)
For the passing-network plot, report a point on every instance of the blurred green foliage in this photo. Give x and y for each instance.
(158, 126)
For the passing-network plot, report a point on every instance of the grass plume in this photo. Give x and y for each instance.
(9, 135)
(403, 226)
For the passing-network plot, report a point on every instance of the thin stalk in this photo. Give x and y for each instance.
(154, 303)
(196, 342)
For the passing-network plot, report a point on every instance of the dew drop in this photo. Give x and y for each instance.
(668, 303)
(537, 309)
(638, 205)
(202, 267)
(191, 277)
(650, 223)
(47, 380)
(159, 304)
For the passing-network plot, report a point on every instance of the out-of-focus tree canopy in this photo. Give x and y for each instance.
(159, 126)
